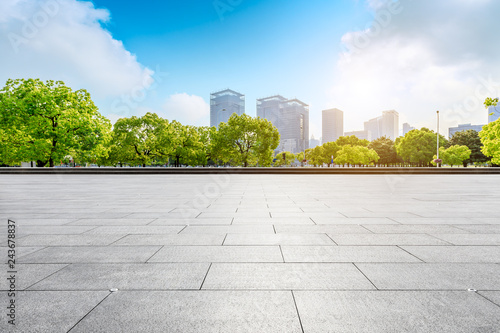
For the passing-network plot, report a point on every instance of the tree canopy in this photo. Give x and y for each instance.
(490, 135)
(352, 140)
(45, 122)
(356, 155)
(385, 149)
(245, 141)
(471, 139)
(419, 146)
(454, 155)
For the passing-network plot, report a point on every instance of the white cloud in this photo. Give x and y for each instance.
(419, 57)
(65, 40)
(187, 109)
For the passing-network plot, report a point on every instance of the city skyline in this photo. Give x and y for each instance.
(168, 57)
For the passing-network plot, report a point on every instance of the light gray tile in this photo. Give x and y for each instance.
(434, 220)
(386, 239)
(481, 229)
(51, 311)
(126, 277)
(138, 230)
(472, 254)
(346, 254)
(396, 311)
(194, 311)
(180, 239)
(433, 276)
(52, 230)
(200, 221)
(322, 229)
(28, 274)
(272, 220)
(414, 229)
(284, 276)
(278, 239)
(108, 222)
(470, 239)
(91, 254)
(231, 229)
(354, 220)
(68, 240)
(218, 254)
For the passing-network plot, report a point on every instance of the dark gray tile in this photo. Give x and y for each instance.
(194, 311)
(471, 254)
(126, 276)
(285, 276)
(396, 311)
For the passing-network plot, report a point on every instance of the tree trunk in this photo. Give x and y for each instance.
(143, 165)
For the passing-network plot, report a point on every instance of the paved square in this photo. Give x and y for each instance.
(252, 253)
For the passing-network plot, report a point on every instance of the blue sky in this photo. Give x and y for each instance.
(362, 56)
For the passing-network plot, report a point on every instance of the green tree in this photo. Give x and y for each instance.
(142, 140)
(352, 140)
(385, 149)
(317, 156)
(188, 148)
(330, 149)
(44, 122)
(206, 135)
(244, 140)
(419, 146)
(288, 160)
(471, 139)
(453, 155)
(356, 155)
(490, 135)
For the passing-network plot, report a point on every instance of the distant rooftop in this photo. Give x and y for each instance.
(226, 92)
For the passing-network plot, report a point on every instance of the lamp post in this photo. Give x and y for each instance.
(437, 140)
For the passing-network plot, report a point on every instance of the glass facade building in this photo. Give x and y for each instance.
(223, 104)
(290, 117)
(332, 123)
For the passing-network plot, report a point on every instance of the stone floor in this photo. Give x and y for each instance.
(252, 253)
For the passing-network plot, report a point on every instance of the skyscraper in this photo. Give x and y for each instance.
(332, 124)
(223, 104)
(290, 117)
(407, 128)
(385, 125)
(493, 113)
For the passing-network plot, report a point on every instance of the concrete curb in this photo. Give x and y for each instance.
(249, 171)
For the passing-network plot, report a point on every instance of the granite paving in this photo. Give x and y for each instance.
(250, 253)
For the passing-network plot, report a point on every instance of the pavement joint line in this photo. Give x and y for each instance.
(398, 246)
(282, 256)
(82, 233)
(206, 274)
(373, 284)
(224, 239)
(334, 242)
(118, 239)
(21, 256)
(161, 247)
(431, 235)
(154, 219)
(297, 309)
(274, 228)
(392, 219)
(479, 293)
(25, 289)
(89, 312)
(343, 214)
(182, 229)
(374, 233)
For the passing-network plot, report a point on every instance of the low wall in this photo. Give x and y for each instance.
(247, 171)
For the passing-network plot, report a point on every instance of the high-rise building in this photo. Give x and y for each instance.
(385, 125)
(223, 104)
(332, 124)
(313, 142)
(290, 117)
(464, 127)
(407, 128)
(362, 135)
(493, 113)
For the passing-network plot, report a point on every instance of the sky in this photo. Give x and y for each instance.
(360, 56)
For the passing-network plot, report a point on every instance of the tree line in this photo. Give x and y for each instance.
(49, 123)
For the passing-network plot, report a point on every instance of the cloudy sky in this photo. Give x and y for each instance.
(167, 56)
